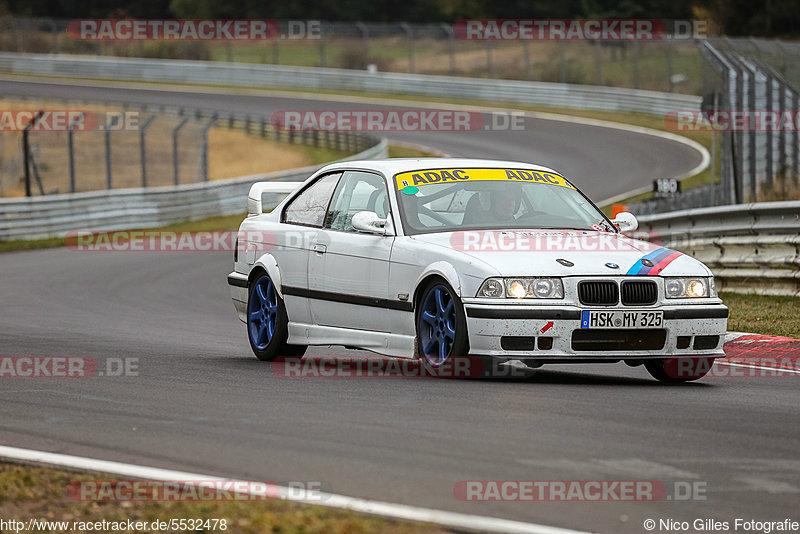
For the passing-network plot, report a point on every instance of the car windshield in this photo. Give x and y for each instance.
(442, 200)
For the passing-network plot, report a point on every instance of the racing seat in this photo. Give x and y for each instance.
(474, 214)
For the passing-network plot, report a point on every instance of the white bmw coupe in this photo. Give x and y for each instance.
(440, 258)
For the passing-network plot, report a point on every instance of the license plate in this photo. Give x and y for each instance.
(621, 319)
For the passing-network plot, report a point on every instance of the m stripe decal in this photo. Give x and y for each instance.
(660, 258)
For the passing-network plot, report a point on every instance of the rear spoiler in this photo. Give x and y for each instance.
(254, 206)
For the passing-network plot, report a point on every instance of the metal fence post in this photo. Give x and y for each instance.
(751, 137)
(670, 65)
(204, 155)
(107, 134)
(71, 151)
(364, 38)
(143, 147)
(489, 58)
(782, 88)
(769, 152)
(410, 41)
(26, 158)
(795, 142)
(714, 155)
(451, 37)
(322, 54)
(598, 65)
(635, 62)
(175, 172)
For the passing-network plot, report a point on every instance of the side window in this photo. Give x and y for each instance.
(357, 191)
(309, 207)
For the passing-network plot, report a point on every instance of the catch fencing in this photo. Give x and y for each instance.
(667, 65)
(55, 215)
(752, 162)
(134, 145)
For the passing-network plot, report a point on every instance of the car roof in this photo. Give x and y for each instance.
(392, 166)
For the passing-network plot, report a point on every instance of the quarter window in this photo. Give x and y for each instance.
(309, 207)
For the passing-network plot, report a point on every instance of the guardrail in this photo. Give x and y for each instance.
(120, 209)
(751, 248)
(252, 75)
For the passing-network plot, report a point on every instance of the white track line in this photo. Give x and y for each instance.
(464, 522)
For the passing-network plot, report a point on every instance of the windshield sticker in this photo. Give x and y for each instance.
(416, 179)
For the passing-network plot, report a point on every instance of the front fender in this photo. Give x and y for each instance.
(446, 271)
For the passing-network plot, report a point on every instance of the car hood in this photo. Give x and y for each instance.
(550, 253)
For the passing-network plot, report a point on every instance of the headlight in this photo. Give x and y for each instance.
(522, 288)
(492, 288)
(517, 289)
(689, 288)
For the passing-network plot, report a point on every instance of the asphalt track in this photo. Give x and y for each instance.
(202, 403)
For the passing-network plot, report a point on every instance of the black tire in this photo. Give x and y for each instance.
(675, 370)
(275, 344)
(457, 347)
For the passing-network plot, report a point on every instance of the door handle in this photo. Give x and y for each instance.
(319, 248)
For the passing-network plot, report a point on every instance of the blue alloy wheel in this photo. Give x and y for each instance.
(262, 312)
(437, 324)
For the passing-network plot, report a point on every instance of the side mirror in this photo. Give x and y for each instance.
(626, 222)
(368, 221)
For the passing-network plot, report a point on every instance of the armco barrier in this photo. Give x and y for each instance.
(751, 248)
(250, 75)
(55, 215)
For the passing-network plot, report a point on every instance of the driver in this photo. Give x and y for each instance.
(502, 206)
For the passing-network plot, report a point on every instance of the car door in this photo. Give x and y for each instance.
(302, 218)
(349, 270)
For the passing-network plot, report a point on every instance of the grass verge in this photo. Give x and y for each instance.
(768, 315)
(405, 151)
(41, 493)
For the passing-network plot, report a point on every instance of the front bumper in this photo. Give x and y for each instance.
(543, 333)
(238, 287)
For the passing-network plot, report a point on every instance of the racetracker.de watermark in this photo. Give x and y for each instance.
(386, 367)
(578, 29)
(402, 120)
(66, 367)
(544, 241)
(191, 490)
(191, 30)
(67, 120)
(578, 490)
(787, 120)
(169, 241)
